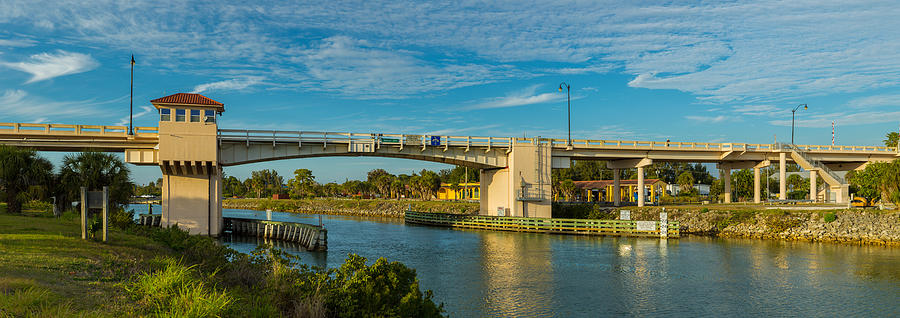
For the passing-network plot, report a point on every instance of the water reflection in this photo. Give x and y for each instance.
(499, 274)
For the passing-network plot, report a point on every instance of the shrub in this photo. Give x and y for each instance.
(830, 217)
(704, 210)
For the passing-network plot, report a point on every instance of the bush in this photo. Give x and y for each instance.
(830, 217)
(704, 210)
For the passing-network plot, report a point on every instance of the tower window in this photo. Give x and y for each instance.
(179, 115)
(165, 114)
(210, 116)
(195, 115)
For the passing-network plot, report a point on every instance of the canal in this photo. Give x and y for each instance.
(500, 274)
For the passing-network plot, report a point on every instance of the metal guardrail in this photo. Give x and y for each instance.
(813, 162)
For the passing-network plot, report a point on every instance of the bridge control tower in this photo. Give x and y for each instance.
(189, 160)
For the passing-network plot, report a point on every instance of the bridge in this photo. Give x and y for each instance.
(191, 151)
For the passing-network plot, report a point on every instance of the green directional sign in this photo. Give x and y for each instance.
(390, 140)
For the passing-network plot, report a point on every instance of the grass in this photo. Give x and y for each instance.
(44, 259)
(47, 270)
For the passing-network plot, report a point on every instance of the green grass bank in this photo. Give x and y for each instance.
(47, 270)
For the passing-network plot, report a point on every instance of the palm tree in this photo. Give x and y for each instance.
(95, 170)
(21, 169)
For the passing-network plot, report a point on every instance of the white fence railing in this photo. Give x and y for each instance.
(75, 130)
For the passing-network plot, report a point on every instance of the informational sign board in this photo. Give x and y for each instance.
(645, 225)
(624, 215)
(95, 199)
(501, 211)
(390, 139)
(435, 140)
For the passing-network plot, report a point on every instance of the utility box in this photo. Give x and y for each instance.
(94, 202)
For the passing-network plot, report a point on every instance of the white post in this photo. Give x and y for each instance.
(640, 187)
(812, 186)
(782, 179)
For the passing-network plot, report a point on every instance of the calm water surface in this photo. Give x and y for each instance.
(501, 274)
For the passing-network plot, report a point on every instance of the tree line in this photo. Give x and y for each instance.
(378, 183)
(25, 176)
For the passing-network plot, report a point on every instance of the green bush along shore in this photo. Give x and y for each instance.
(46, 270)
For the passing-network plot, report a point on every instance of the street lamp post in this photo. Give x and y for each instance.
(568, 112)
(792, 119)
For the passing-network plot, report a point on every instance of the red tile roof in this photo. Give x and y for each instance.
(601, 184)
(187, 99)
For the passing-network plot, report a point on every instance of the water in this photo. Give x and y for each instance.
(502, 274)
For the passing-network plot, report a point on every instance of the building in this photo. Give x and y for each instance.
(602, 190)
(464, 191)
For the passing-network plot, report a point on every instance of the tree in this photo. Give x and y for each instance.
(303, 184)
(232, 187)
(890, 140)
(266, 182)
(94, 170)
(21, 169)
(795, 182)
(686, 181)
(567, 189)
(742, 184)
(383, 184)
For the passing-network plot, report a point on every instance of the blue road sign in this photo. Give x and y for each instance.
(435, 140)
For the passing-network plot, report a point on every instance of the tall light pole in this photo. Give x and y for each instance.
(131, 101)
(568, 112)
(792, 120)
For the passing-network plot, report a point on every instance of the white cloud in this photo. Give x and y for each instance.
(45, 66)
(16, 43)
(875, 101)
(145, 110)
(231, 84)
(841, 118)
(750, 52)
(707, 119)
(528, 96)
(18, 105)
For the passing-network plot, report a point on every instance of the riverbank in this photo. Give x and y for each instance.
(355, 207)
(47, 270)
(853, 226)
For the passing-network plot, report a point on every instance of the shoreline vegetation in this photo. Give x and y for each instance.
(49, 271)
(833, 225)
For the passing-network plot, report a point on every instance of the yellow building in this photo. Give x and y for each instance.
(465, 191)
(602, 190)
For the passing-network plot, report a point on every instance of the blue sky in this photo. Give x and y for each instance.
(687, 71)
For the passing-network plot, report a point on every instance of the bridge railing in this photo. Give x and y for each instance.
(318, 137)
(675, 145)
(75, 130)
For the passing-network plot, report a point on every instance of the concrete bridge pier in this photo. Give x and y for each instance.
(192, 197)
(639, 164)
(523, 187)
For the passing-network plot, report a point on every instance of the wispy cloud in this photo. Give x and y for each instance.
(875, 101)
(16, 43)
(707, 119)
(231, 84)
(528, 96)
(145, 110)
(45, 66)
(17, 104)
(842, 118)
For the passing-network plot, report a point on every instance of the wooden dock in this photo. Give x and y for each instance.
(658, 229)
(311, 237)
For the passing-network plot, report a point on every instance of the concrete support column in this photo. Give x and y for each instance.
(640, 186)
(782, 179)
(812, 185)
(726, 176)
(756, 191)
(617, 190)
